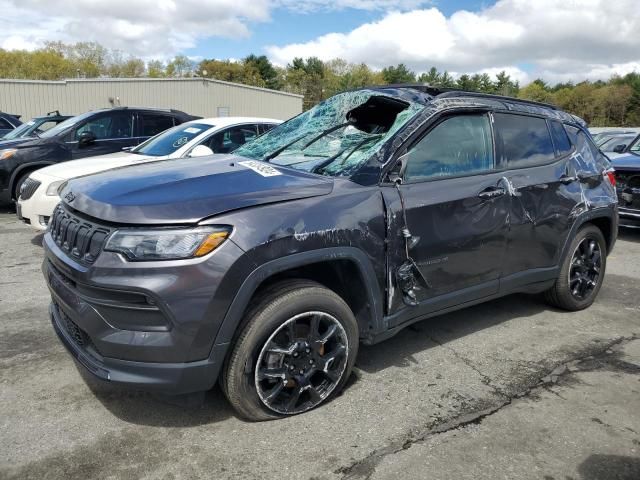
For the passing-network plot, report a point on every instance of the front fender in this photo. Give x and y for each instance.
(259, 275)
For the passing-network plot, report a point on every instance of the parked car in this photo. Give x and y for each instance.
(629, 145)
(39, 193)
(618, 144)
(32, 129)
(90, 134)
(628, 186)
(375, 209)
(603, 136)
(8, 122)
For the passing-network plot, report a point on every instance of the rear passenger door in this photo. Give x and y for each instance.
(151, 123)
(538, 159)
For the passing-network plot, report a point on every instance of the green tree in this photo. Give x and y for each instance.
(398, 74)
(265, 69)
(180, 66)
(155, 69)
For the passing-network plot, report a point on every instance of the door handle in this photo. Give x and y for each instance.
(566, 179)
(491, 192)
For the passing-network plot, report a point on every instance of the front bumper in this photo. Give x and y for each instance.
(175, 378)
(37, 210)
(148, 326)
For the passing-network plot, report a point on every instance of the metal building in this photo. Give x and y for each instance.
(197, 96)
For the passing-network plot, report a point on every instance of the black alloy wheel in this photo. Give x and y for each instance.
(586, 265)
(301, 363)
(581, 271)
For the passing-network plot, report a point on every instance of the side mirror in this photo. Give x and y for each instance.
(619, 148)
(201, 151)
(397, 172)
(86, 138)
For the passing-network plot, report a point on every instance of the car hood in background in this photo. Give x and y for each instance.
(14, 142)
(187, 191)
(90, 165)
(626, 162)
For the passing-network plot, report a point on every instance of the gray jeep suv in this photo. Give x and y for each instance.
(375, 209)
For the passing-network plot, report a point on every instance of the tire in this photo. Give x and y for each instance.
(21, 179)
(275, 322)
(562, 295)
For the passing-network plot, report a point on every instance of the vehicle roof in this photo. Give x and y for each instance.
(148, 109)
(226, 121)
(453, 97)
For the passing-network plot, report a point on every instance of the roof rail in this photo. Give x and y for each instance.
(445, 92)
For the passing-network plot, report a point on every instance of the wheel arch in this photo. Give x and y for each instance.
(606, 219)
(364, 297)
(21, 170)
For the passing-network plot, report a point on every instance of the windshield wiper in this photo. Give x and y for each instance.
(310, 142)
(332, 159)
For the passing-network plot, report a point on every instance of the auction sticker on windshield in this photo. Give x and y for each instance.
(261, 168)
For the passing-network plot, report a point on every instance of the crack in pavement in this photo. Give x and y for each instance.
(590, 356)
(486, 380)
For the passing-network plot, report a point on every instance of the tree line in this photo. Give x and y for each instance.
(615, 102)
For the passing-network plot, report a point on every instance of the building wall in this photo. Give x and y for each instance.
(197, 96)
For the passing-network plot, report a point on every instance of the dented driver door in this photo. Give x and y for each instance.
(447, 220)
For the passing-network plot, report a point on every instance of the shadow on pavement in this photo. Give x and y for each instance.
(398, 351)
(629, 235)
(158, 410)
(610, 467)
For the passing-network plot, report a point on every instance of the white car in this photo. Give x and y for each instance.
(39, 193)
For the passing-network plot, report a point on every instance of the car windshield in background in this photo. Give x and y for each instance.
(167, 142)
(336, 136)
(21, 131)
(611, 143)
(29, 129)
(68, 123)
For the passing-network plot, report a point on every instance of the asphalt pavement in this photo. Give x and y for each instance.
(509, 389)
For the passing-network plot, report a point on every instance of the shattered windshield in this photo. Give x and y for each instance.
(336, 136)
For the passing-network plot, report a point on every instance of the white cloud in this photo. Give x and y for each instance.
(558, 39)
(146, 28)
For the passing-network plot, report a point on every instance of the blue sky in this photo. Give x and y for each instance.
(287, 27)
(557, 40)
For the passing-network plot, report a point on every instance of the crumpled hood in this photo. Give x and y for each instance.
(170, 192)
(90, 165)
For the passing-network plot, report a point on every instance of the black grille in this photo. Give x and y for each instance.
(75, 332)
(28, 188)
(78, 335)
(78, 237)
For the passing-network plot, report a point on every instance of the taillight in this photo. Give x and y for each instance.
(611, 175)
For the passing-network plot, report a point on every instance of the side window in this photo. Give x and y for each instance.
(524, 141)
(152, 124)
(560, 139)
(459, 145)
(588, 156)
(115, 125)
(46, 126)
(230, 139)
(265, 127)
(5, 125)
(635, 146)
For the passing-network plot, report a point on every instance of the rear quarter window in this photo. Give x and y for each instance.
(560, 138)
(523, 140)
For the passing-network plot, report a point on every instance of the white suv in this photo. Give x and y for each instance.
(39, 193)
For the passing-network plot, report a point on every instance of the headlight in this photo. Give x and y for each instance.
(7, 153)
(169, 244)
(54, 187)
